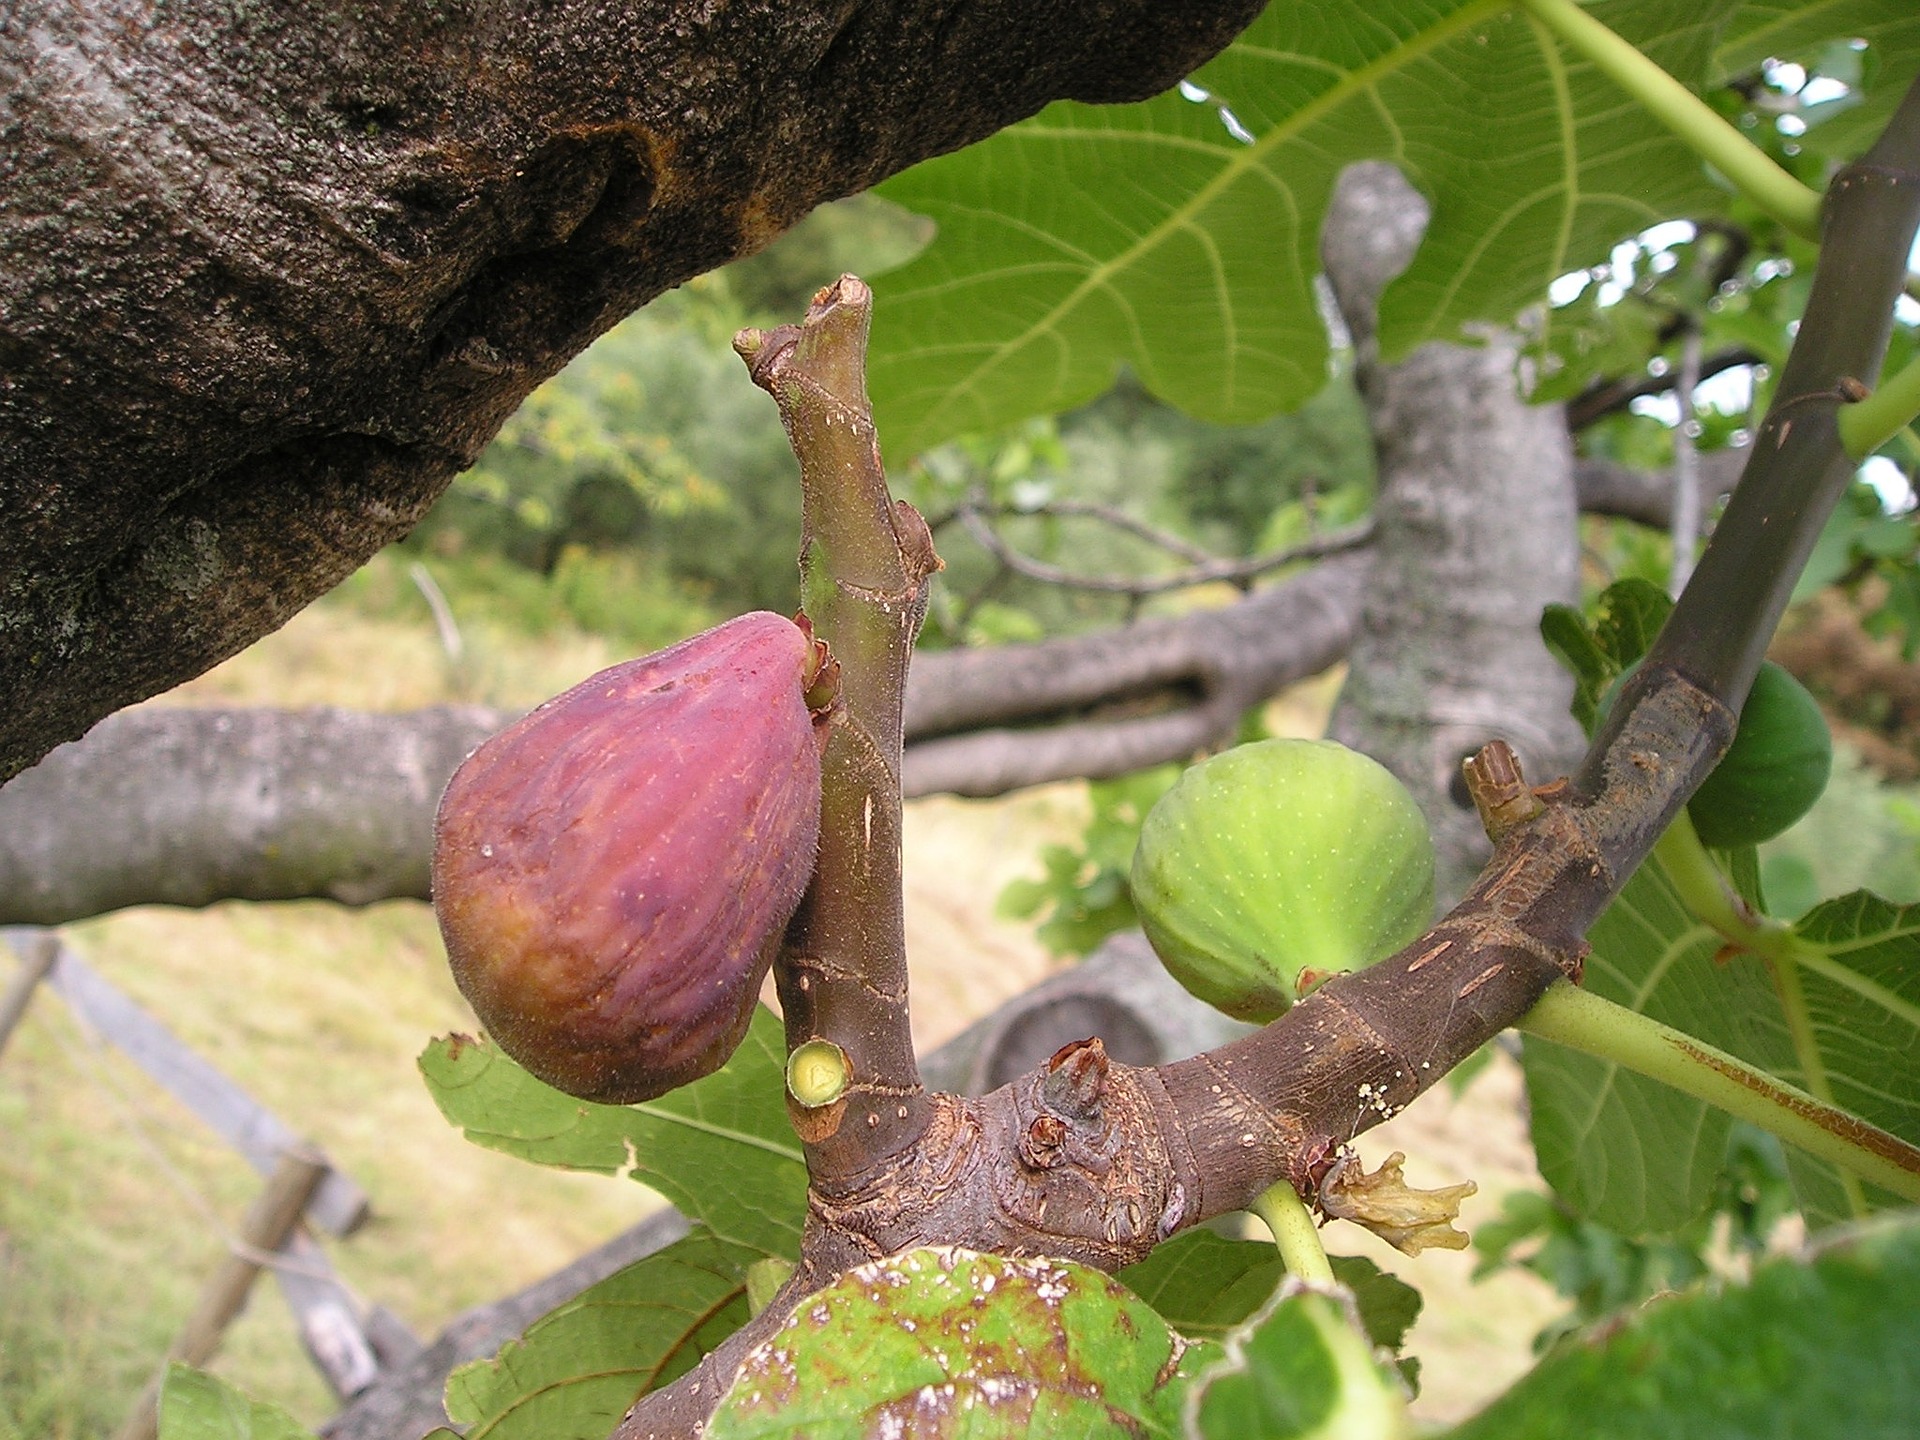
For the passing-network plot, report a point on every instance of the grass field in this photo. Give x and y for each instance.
(113, 1200)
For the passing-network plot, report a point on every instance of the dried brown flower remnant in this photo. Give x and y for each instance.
(1409, 1220)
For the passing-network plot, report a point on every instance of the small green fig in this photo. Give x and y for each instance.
(1775, 769)
(1277, 858)
(613, 873)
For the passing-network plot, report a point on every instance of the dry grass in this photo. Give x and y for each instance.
(111, 1197)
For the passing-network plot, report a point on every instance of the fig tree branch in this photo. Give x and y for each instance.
(865, 561)
(1099, 1162)
(1111, 515)
(1799, 465)
(1604, 398)
(1232, 571)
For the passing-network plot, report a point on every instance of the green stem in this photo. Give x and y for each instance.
(1294, 1232)
(1704, 891)
(1583, 1021)
(1690, 119)
(1870, 423)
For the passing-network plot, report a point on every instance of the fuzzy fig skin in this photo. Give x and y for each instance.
(613, 872)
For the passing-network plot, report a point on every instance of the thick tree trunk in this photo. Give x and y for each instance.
(275, 273)
(1475, 534)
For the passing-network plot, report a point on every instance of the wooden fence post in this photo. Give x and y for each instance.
(36, 960)
(268, 1224)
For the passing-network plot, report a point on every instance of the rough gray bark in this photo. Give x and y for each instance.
(185, 807)
(1475, 533)
(1606, 487)
(212, 804)
(1194, 677)
(275, 273)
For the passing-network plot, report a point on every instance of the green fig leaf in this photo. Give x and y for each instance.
(1597, 650)
(576, 1372)
(721, 1149)
(948, 1341)
(1842, 1021)
(1204, 1284)
(1300, 1369)
(1061, 239)
(1819, 1350)
(197, 1406)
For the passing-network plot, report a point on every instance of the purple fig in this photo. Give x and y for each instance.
(613, 872)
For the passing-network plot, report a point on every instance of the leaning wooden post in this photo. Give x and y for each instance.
(266, 1228)
(36, 961)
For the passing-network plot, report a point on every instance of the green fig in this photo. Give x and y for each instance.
(1278, 858)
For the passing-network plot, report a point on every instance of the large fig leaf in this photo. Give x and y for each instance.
(1183, 241)
(1842, 1022)
(1300, 1371)
(1806, 31)
(721, 1149)
(950, 1342)
(1629, 1152)
(197, 1406)
(1829, 1348)
(575, 1372)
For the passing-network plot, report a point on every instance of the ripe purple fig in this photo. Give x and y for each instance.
(614, 871)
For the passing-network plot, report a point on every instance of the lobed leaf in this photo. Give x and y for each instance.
(1629, 1152)
(1181, 239)
(721, 1149)
(946, 1341)
(1845, 1026)
(1841, 1021)
(197, 1406)
(1826, 1348)
(1806, 31)
(1299, 1371)
(1203, 1285)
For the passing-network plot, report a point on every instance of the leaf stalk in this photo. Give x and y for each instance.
(1294, 1233)
(1583, 1021)
(1689, 118)
(1868, 424)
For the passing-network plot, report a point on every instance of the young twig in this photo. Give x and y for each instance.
(864, 561)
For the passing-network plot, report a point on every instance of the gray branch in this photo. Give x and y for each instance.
(172, 806)
(187, 806)
(1606, 487)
